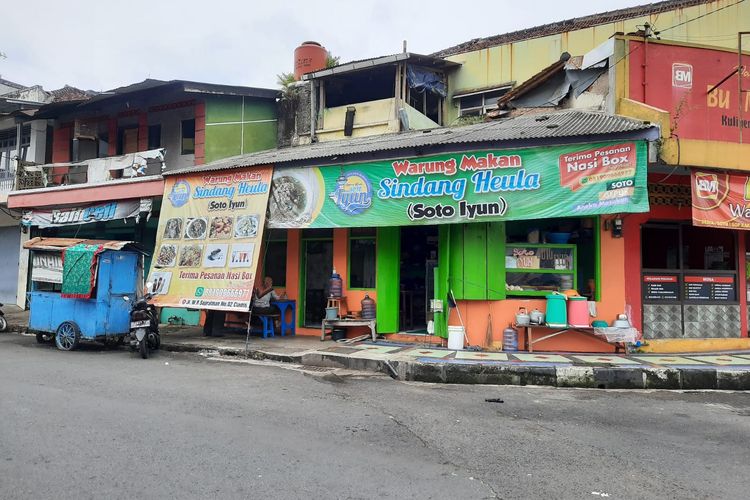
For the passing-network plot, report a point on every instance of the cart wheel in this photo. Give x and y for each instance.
(68, 336)
(120, 340)
(44, 338)
(144, 348)
(3, 323)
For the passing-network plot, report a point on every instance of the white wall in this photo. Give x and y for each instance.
(171, 135)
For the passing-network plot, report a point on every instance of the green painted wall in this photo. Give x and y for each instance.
(237, 125)
(475, 260)
(496, 260)
(388, 278)
(180, 316)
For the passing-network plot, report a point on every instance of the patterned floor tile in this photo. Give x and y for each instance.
(377, 348)
(610, 360)
(668, 360)
(542, 358)
(722, 360)
(482, 356)
(427, 353)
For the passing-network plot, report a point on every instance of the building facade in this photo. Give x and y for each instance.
(103, 178)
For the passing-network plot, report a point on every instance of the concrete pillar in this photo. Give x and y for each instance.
(38, 146)
(23, 271)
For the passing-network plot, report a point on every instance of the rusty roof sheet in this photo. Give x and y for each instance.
(59, 244)
(551, 126)
(381, 61)
(568, 25)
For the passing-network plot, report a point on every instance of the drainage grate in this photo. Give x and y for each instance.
(315, 368)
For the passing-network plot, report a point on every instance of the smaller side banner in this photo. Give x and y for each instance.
(720, 200)
(99, 212)
(47, 267)
(208, 240)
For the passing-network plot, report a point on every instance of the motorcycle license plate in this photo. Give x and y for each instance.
(140, 324)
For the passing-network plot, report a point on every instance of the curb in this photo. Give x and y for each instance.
(642, 377)
(234, 351)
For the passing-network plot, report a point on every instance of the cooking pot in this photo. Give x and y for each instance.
(522, 317)
(536, 317)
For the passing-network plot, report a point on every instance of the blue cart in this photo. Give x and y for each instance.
(105, 317)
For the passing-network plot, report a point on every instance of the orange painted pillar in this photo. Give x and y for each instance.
(341, 258)
(293, 242)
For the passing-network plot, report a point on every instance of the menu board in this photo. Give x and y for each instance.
(710, 288)
(661, 287)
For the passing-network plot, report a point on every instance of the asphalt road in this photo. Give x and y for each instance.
(101, 423)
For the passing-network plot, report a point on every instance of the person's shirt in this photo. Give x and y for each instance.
(265, 299)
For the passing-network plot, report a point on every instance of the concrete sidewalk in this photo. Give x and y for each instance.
(730, 371)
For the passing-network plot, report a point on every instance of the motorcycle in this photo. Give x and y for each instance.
(3, 321)
(144, 325)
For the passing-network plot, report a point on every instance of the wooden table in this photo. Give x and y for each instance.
(370, 323)
(559, 330)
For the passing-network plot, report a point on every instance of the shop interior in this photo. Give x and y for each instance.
(317, 267)
(542, 256)
(419, 257)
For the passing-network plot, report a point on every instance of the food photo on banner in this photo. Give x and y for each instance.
(209, 235)
(533, 183)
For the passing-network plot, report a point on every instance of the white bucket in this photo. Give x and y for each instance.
(456, 338)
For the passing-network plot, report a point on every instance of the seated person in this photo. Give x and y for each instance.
(262, 299)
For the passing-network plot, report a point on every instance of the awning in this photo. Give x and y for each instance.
(60, 244)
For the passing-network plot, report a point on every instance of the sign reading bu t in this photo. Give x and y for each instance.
(721, 200)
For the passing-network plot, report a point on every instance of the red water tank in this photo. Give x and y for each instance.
(308, 57)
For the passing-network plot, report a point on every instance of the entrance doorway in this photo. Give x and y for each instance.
(689, 281)
(419, 253)
(317, 267)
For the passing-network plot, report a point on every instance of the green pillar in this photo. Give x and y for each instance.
(388, 278)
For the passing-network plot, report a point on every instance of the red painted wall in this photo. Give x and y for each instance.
(677, 79)
(200, 133)
(632, 237)
(83, 193)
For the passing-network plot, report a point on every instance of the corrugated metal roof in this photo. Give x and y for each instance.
(363, 64)
(54, 109)
(557, 125)
(568, 25)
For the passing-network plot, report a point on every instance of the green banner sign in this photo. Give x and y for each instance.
(534, 183)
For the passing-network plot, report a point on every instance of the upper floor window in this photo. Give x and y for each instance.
(188, 137)
(478, 103)
(154, 136)
(8, 146)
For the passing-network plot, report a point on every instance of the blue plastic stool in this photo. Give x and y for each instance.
(267, 326)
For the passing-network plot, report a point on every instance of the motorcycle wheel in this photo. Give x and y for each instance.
(143, 348)
(154, 341)
(3, 324)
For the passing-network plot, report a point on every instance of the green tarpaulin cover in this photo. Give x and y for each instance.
(79, 270)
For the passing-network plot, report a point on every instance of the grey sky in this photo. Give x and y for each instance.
(100, 45)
